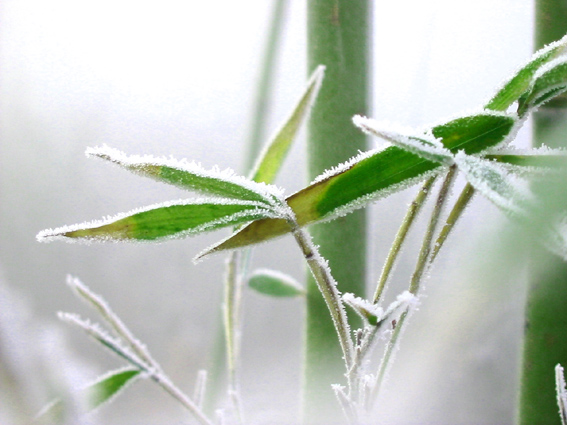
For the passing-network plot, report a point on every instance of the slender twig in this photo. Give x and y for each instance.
(421, 267)
(454, 215)
(411, 214)
(231, 311)
(327, 286)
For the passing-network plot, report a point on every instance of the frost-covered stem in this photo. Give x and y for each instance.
(458, 209)
(339, 37)
(118, 326)
(328, 288)
(264, 88)
(231, 311)
(412, 212)
(545, 328)
(163, 381)
(420, 268)
(154, 373)
(561, 393)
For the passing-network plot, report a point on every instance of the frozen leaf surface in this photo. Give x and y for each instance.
(163, 221)
(191, 176)
(376, 174)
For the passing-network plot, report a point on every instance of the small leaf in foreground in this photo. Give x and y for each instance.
(94, 395)
(163, 221)
(275, 284)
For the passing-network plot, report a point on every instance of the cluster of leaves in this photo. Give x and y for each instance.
(475, 144)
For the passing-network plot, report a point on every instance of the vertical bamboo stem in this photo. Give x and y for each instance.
(545, 334)
(338, 37)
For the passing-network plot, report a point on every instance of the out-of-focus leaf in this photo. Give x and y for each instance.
(520, 83)
(168, 220)
(275, 284)
(549, 81)
(95, 394)
(373, 175)
(276, 150)
(190, 176)
(554, 160)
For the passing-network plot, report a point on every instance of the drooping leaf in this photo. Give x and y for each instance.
(94, 395)
(275, 284)
(549, 81)
(167, 220)
(495, 183)
(520, 83)
(276, 150)
(373, 175)
(190, 176)
(424, 145)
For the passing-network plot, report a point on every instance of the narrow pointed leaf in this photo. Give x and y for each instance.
(426, 147)
(168, 220)
(373, 175)
(553, 159)
(276, 150)
(275, 284)
(190, 176)
(549, 82)
(522, 80)
(96, 394)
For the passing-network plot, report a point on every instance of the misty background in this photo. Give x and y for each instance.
(178, 78)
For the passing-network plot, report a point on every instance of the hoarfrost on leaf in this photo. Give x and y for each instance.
(190, 175)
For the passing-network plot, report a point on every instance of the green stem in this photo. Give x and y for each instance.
(545, 341)
(264, 91)
(411, 214)
(338, 34)
(420, 268)
(456, 213)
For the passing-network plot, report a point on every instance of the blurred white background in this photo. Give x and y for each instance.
(178, 78)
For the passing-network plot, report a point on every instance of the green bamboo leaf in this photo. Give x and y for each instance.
(276, 150)
(96, 394)
(275, 284)
(549, 82)
(158, 222)
(190, 176)
(373, 175)
(541, 159)
(520, 83)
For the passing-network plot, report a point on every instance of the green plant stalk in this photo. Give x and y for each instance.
(545, 330)
(424, 260)
(257, 126)
(338, 37)
(409, 218)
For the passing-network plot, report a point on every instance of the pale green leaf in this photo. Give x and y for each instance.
(275, 284)
(276, 150)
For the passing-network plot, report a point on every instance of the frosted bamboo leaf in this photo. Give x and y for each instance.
(561, 393)
(163, 221)
(376, 174)
(495, 183)
(425, 146)
(191, 176)
(275, 284)
(520, 82)
(527, 161)
(548, 82)
(277, 148)
(102, 391)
